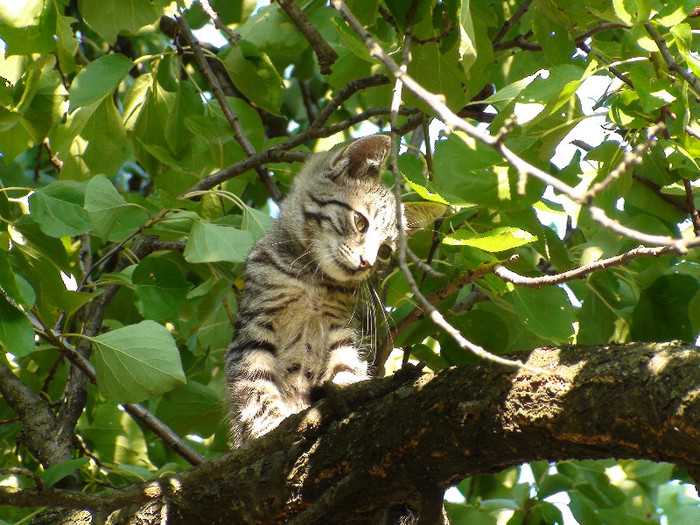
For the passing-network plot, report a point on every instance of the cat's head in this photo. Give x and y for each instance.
(343, 214)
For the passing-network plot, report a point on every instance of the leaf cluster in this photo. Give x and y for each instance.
(118, 249)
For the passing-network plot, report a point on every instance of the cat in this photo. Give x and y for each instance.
(297, 325)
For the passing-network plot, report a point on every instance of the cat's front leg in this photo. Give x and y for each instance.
(345, 366)
(257, 404)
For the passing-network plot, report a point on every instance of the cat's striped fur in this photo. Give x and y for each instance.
(296, 325)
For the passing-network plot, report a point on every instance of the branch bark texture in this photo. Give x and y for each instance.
(407, 435)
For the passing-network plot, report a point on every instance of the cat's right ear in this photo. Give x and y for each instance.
(363, 158)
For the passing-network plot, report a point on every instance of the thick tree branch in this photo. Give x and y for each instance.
(639, 400)
(39, 426)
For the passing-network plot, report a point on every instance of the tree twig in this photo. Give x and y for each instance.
(690, 203)
(345, 93)
(230, 35)
(690, 78)
(324, 52)
(630, 159)
(508, 24)
(231, 117)
(580, 272)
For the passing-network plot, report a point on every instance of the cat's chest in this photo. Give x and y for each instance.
(316, 313)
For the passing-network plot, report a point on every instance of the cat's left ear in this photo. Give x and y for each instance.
(421, 214)
(363, 158)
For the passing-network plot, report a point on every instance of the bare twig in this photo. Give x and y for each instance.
(508, 24)
(692, 210)
(690, 78)
(345, 93)
(630, 159)
(231, 117)
(324, 52)
(230, 35)
(580, 272)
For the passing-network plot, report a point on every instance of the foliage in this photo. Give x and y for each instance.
(108, 128)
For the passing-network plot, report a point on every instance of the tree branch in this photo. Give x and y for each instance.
(324, 52)
(39, 426)
(231, 117)
(508, 24)
(434, 298)
(345, 93)
(690, 78)
(580, 272)
(405, 433)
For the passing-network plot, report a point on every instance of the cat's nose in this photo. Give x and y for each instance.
(364, 265)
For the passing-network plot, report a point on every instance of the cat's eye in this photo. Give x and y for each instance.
(384, 252)
(361, 222)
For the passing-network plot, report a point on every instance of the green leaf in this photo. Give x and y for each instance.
(211, 243)
(118, 15)
(16, 333)
(114, 436)
(136, 362)
(28, 30)
(58, 208)
(104, 204)
(557, 324)
(272, 31)
(187, 103)
(439, 73)
(411, 168)
(662, 313)
(256, 222)
(468, 172)
(161, 287)
(98, 79)
(351, 40)
(27, 13)
(479, 326)
(191, 409)
(497, 240)
(10, 285)
(694, 312)
(56, 473)
(102, 145)
(255, 75)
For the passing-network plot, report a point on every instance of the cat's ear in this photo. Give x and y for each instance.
(421, 214)
(363, 158)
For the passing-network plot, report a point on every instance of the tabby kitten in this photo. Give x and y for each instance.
(296, 326)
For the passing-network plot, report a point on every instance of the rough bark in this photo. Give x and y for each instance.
(397, 439)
